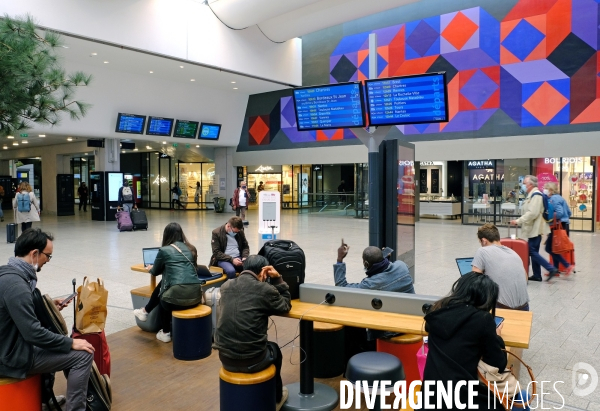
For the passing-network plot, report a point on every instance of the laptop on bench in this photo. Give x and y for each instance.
(464, 265)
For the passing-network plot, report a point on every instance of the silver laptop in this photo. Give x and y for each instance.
(465, 265)
(150, 255)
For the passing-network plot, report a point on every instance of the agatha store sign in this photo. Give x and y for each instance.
(158, 180)
(480, 164)
(565, 160)
(268, 169)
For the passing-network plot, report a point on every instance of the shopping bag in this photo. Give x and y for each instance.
(92, 298)
(560, 241)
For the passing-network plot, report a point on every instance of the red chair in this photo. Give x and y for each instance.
(404, 347)
(22, 395)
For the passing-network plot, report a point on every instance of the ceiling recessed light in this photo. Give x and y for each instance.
(25, 142)
(15, 144)
(10, 137)
(198, 145)
(148, 148)
(233, 82)
(193, 79)
(135, 149)
(164, 142)
(151, 72)
(94, 54)
(235, 88)
(106, 62)
(42, 135)
(6, 148)
(180, 66)
(70, 139)
(65, 47)
(123, 151)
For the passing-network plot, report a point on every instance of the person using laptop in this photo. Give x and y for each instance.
(504, 267)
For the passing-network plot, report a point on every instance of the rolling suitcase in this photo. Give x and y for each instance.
(519, 246)
(101, 351)
(139, 220)
(124, 221)
(289, 261)
(11, 232)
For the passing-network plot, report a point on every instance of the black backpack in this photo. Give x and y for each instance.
(289, 261)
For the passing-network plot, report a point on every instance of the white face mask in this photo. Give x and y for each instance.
(36, 266)
(546, 191)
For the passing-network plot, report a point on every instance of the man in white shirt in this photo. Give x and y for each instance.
(240, 200)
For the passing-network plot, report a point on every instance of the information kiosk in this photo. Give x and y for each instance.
(269, 222)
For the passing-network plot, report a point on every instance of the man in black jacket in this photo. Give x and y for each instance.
(229, 247)
(241, 335)
(25, 346)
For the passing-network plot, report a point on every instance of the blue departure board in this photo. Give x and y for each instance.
(209, 131)
(159, 126)
(330, 106)
(407, 100)
(130, 123)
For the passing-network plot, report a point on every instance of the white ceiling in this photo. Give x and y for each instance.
(281, 20)
(80, 51)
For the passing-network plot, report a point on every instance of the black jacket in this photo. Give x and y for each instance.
(219, 245)
(246, 304)
(20, 330)
(460, 336)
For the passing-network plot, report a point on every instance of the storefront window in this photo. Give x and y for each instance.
(287, 180)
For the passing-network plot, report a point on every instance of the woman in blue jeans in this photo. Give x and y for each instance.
(562, 212)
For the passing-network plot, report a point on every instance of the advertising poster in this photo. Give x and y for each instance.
(115, 181)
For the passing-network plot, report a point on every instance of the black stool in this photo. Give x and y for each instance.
(192, 333)
(248, 392)
(328, 343)
(370, 366)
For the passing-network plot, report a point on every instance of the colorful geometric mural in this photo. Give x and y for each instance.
(539, 66)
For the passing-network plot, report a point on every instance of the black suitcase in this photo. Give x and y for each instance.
(289, 261)
(11, 232)
(139, 220)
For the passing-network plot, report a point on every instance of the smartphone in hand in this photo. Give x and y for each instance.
(67, 300)
(499, 320)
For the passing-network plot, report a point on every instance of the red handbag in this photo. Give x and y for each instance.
(561, 243)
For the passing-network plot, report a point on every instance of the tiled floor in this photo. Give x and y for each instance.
(566, 326)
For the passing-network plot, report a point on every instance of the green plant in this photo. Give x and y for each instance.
(34, 88)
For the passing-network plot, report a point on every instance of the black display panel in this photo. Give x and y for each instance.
(159, 126)
(130, 123)
(186, 129)
(407, 100)
(329, 106)
(209, 131)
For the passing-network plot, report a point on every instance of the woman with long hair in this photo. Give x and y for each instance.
(462, 331)
(176, 262)
(197, 194)
(26, 206)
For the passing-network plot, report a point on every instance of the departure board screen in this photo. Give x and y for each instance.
(130, 123)
(329, 106)
(209, 131)
(186, 129)
(159, 126)
(407, 100)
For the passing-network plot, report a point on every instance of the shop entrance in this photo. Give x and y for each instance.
(260, 182)
(197, 183)
(81, 168)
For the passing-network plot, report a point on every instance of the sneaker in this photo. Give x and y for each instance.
(532, 278)
(552, 274)
(570, 270)
(141, 314)
(164, 337)
(284, 397)
(62, 400)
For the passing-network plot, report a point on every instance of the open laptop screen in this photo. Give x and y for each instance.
(150, 255)
(464, 265)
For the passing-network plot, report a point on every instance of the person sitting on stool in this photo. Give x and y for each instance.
(241, 334)
(229, 246)
(381, 275)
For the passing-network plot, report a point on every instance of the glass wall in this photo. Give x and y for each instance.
(405, 187)
(193, 176)
(494, 190)
(81, 167)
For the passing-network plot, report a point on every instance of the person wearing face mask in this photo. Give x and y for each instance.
(562, 212)
(504, 267)
(25, 346)
(240, 200)
(229, 247)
